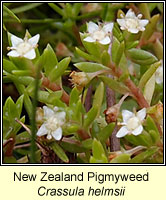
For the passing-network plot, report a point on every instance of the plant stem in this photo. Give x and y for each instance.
(114, 141)
(33, 119)
(88, 99)
(54, 87)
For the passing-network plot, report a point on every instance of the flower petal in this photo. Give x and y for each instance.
(30, 54)
(130, 14)
(13, 53)
(48, 112)
(16, 40)
(122, 132)
(42, 130)
(57, 134)
(126, 115)
(89, 39)
(158, 80)
(106, 40)
(108, 27)
(133, 30)
(138, 130)
(61, 115)
(34, 40)
(141, 114)
(122, 22)
(143, 22)
(92, 27)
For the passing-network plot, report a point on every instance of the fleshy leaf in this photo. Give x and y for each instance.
(89, 67)
(141, 57)
(59, 69)
(59, 152)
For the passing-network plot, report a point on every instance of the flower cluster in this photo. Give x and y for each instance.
(53, 121)
(99, 33)
(132, 23)
(23, 47)
(132, 123)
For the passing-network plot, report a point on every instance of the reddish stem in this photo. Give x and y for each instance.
(54, 87)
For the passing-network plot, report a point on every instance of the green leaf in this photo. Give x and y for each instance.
(85, 55)
(23, 137)
(26, 7)
(76, 8)
(117, 32)
(74, 96)
(141, 57)
(98, 97)
(54, 95)
(143, 7)
(59, 69)
(68, 10)
(149, 89)
(18, 72)
(78, 111)
(90, 67)
(27, 100)
(56, 8)
(144, 139)
(19, 105)
(10, 110)
(49, 59)
(144, 155)
(158, 49)
(105, 58)
(122, 158)
(73, 147)
(25, 80)
(150, 28)
(8, 65)
(152, 129)
(87, 143)
(18, 126)
(148, 74)
(131, 44)
(98, 153)
(90, 116)
(152, 6)
(59, 152)
(10, 159)
(114, 85)
(117, 50)
(10, 13)
(105, 133)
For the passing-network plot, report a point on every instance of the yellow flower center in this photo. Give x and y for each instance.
(133, 123)
(52, 123)
(132, 23)
(99, 35)
(23, 48)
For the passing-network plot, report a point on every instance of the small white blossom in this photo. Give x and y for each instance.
(132, 123)
(99, 33)
(159, 74)
(23, 47)
(132, 23)
(53, 121)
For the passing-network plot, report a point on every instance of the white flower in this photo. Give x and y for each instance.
(159, 74)
(23, 47)
(99, 33)
(132, 23)
(132, 123)
(53, 122)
